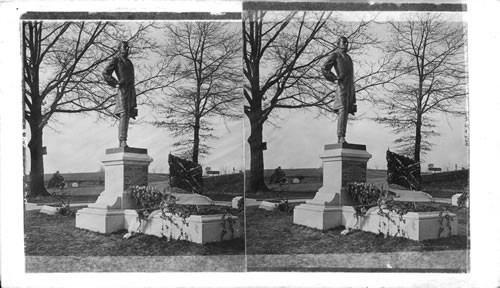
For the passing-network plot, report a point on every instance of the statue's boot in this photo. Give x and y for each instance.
(341, 139)
(123, 143)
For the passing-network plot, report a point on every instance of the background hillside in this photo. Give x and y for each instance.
(225, 187)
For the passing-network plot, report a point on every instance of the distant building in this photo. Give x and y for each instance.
(431, 168)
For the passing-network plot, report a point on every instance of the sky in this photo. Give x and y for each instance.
(300, 138)
(301, 134)
(77, 143)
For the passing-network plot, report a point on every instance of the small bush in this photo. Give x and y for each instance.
(463, 199)
(151, 198)
(363, 193)
(64, 198)
(146, 196)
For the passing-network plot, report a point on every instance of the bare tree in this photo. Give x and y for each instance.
(208, 56)
(430, 53)
(282, 61)
(61, 62)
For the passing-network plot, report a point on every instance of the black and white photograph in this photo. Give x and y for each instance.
(357, 123)
(134, 143)
(282, 143)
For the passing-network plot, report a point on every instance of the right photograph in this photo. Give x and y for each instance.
(357, 153)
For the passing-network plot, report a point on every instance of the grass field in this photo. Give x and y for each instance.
(57, 236)
(226, 187)
(97, 176)
(267, 232)
(438, 185)
(273, 232)
(217, 188)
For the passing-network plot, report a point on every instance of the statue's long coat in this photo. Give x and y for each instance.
(345, 96)
(126, 97)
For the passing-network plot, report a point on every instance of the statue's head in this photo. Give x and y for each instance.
(343, 43)
(123, 48)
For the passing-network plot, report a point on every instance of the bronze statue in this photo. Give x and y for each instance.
(345, 96)
(126, 102)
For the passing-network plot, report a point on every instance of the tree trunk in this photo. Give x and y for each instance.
(257, 183)
(416, 157)
(196, 140)
(418, 139)
(37, 184)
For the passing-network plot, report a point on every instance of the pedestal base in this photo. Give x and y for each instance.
(123, 167)
(107, 201)
(318, 216)
(342, 163)
(100, 220)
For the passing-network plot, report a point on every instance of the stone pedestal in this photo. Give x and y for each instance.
(123, 167)
(342, 163)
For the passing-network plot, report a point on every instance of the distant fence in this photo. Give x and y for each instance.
(458, 177)
(305, 175)
(212, 181)
(93, 178)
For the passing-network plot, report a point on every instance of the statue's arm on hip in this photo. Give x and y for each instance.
(108, 73)
(327, 68)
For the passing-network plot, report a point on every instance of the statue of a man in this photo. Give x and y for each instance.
(345, 96)
(126, 102)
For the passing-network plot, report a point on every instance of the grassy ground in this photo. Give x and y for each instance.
(438, 192)
(57, 236)
(267, 232)
(293, 192)
(73, 199)
(223, 191)
(438, 185)
(272, 232)
(226, 187)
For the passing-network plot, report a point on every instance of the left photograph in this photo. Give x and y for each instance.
(133, 152)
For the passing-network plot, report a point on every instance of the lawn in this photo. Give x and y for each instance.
(438, 185)
(273, 232)
(292, 191)
(267, 232)
(88, 194)
(57, 236)
(441, 192)
(226, 187)
(73, 199)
